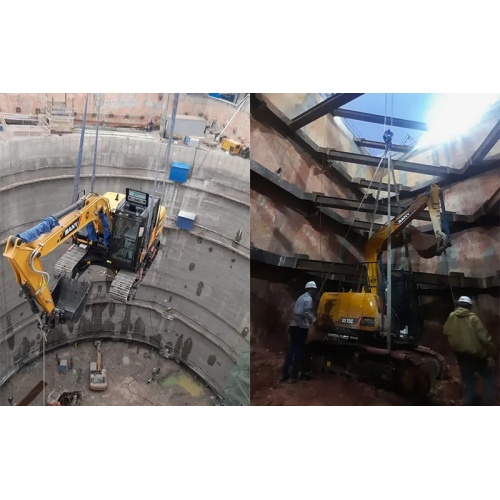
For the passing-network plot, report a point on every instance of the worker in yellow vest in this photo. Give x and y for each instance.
(473, 348)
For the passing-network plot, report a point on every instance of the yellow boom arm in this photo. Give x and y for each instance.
(378, 241)
(25, 257)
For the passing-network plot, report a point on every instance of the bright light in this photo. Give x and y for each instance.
(453, 115)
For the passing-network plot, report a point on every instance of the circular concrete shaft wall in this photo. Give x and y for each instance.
(194, 301)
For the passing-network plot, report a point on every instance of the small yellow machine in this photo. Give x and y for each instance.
(98, 376)
(231, 146)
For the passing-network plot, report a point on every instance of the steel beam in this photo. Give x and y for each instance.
(365, 143)
(294, 198)
(369, 207)
(373, 161)
(280, 122)
(365, 183)
(307, 203)
(368, 117)
(301, 263)
(323, 108)
(491, 139)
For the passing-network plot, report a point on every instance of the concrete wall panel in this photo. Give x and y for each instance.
(201, 277)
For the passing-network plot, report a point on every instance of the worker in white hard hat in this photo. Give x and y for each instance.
(303, 317)
(473, 348)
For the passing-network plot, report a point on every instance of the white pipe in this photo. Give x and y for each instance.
(237, 111)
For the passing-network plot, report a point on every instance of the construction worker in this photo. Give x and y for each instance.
(303, 317)
(10, 399)
(473, 349)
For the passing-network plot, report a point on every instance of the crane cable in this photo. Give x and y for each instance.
(364, 196)
(342, 247)
(45, 282)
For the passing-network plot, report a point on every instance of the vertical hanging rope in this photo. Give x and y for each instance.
(80, 154)
(96, 140)
(43, 368)
(389, 257)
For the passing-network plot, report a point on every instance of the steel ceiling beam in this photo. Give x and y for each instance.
(365, 183)
(365, 143)
(307, 203)
(456, 280)
(368, 117)
(373, 161)
(329, 105)
(295, 199)
(369, 207)
(280, 122)
(486, 146)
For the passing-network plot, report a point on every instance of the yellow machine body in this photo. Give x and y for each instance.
(231, 146)
(349, 310)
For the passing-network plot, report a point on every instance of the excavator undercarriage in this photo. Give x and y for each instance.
(409, 371)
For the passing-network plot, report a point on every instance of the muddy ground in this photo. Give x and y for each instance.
(335, 390)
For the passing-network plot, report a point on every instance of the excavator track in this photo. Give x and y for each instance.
(122, 286)
(65, 265)
(409, 372)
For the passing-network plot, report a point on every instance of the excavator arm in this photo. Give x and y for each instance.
(378, 242)
(25, 253)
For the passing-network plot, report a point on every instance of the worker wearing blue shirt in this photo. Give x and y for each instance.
(303, 317)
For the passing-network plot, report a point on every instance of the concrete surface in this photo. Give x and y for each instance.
(128, 368)
(202, 276)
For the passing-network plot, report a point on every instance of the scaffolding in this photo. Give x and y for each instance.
(237, 389)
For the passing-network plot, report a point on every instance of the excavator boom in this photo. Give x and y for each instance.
(24, 251)
(378, 241)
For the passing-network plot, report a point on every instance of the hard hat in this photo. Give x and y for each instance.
(465, 299)
(311, 284)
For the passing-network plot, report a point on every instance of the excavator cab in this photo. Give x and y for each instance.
(407, 326)
(129, 236)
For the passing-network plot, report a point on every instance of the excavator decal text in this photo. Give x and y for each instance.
(405, 216)
(70, 228)
(347, 321)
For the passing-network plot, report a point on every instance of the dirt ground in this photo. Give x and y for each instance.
(128, 367)
(332, 389)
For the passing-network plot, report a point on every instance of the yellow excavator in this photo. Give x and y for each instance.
(352, 327)
(98, 376)
(120, 232)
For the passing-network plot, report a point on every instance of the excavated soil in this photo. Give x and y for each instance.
(334, 390)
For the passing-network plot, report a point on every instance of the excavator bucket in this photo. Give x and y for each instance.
(424, 244)
(71, 295)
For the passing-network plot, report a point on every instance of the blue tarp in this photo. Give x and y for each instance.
(34, 233)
